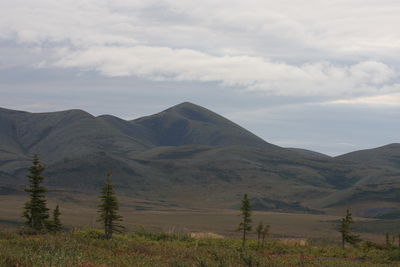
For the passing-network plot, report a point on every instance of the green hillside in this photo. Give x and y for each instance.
(193, 157)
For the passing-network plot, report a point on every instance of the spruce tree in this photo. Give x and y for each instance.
(55, 225)
(35, 211)
(345, 230)
(245, 224)
(108, 209)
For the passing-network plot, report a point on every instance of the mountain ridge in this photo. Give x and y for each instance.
(188, 148)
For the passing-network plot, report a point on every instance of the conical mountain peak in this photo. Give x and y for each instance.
(185, 104)
(187, 123)
(193, 112)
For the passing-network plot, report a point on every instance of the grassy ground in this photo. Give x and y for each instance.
(87, 248)
(81, 211)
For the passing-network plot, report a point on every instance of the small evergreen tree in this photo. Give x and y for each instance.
(245, 224)
(259, 230)
(264, 233)
(345, 230)
(35, 211)
(55, 225)
(108, 209)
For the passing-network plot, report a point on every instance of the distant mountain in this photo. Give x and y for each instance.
(59, 137)
(388, 155)
(378, 170)
(189, 155)
(379, 166)
(189, 124)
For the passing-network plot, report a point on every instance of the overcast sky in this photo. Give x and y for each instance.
(316, 74)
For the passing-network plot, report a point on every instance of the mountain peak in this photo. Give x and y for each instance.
(69, 112)
(193, 112)
(185, 104)
(188, 123)
(189, 107)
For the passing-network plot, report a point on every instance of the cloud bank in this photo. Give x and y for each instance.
(338, 49)
(248, 73)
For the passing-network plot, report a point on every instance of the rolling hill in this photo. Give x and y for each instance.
(377, 192)
(192, 157)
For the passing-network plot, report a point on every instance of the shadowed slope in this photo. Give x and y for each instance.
(378, 188)
(187, 124)
(60, 137)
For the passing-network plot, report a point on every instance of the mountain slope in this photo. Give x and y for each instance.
(188, 155)
(377, 192)
(58, 137)
(309, 153)
(188, 124)
(388, 156)
(379, 167)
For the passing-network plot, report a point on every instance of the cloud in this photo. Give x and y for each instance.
(341, 49)
(251, 27)
(249, 73)
(380, 100)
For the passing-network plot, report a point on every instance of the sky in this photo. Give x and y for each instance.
(316, 74)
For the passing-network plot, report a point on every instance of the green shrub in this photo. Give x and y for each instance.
(88, 233)
(162, 236)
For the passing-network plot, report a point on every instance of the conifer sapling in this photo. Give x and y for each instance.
(345, 230)
(245, 224)
(108, 209)
(35, 211)
(55, 225)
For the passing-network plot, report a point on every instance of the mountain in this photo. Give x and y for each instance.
(189, 124)
(387, 156)
(379, 182)
(186, 155)
(59, 137)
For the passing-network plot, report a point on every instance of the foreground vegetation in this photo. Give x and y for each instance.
(88, 247)
(42, 243)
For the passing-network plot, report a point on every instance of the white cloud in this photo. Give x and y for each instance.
(254, 26)
(289, 48)
(379, 100)
(250, 73)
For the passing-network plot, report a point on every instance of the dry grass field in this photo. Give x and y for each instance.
(79, 211)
